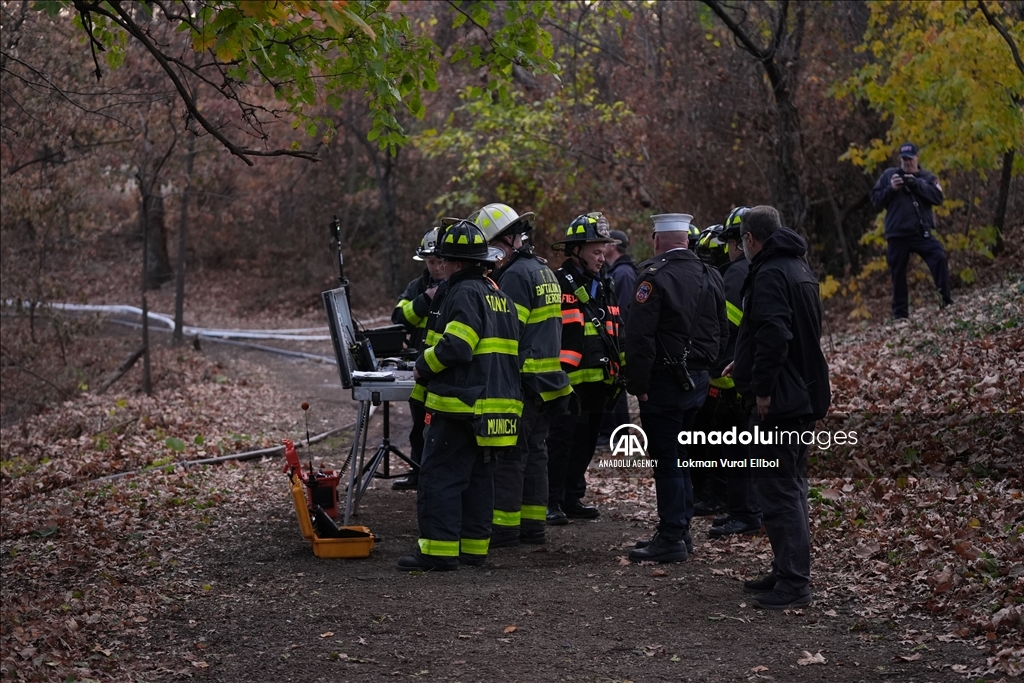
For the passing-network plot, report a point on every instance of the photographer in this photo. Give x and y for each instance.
(908, 194)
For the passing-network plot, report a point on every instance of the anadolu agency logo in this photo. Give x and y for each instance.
(628, 444)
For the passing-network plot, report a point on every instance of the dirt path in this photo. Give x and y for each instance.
(268, 610)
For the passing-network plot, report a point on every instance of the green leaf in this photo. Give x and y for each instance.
(175, 444)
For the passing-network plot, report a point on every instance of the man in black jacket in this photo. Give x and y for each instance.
(622, 272)
(677, 314)
(783, 377)
(908, 194)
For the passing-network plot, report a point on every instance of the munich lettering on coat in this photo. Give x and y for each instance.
(501, 427)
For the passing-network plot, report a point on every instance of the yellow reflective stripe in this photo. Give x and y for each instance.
(582, 295)
(542, 313)
(734, 313)
(557, 393)
(502, 518)
(433, 336)
(723, 382)
(450, 404)
(439, 548)
(587, 375)
(497, 345)
(534, 365)
(590, 331)
(524, 313)
(535, 512)
(431, 357)
(475, 546)
(497, 441)
(410, 313)
(419, 392)
(463, 332)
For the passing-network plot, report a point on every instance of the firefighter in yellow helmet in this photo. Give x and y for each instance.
(591, 356)
(521, 479)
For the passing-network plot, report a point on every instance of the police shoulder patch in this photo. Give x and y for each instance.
(643, 291)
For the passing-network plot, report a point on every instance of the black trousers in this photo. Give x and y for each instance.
(667, 411)
(898, 256)
(521, 474)
(782, 494)
(455, 497)
(571, 443)
(418, 412)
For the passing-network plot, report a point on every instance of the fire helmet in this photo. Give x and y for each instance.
(428, 245)
(584, 229)
(497, 220)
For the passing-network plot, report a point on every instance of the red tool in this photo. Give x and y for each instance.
(321, 486)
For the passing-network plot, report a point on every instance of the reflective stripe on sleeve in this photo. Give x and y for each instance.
(432, 361)
(734, 313)
(463, 332)
(535, 365)
(570, 357)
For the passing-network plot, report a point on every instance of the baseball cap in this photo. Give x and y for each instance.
(908, 149)
(622, 237)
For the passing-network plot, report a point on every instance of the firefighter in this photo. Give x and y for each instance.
(719, 246)
(591, 356)
(677, 329)
(521, 478)
(473, 402)
(411, 311)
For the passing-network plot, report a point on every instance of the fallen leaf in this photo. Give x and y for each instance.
(659, 572)
(510, 629)
(463, 636)
(807, 658)
(200, 665)
(327, 634)
(909, 658)
(758, 669)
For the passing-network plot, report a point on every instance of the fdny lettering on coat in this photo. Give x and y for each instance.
(501, 427)
(498, 304)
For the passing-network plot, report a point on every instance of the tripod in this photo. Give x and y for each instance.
(381, 459)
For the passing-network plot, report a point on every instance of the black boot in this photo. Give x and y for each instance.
(555, 515)
(407, 483)
(420, 562)
(504, 536)
(574, 509)
(687, 541)
(661, 549)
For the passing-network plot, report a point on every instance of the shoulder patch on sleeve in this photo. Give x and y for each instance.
(643, 291)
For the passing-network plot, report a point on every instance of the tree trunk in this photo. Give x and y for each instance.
(179, 286)
(158, 269)
(1004, 193)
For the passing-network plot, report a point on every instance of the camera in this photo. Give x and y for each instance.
(909, 180)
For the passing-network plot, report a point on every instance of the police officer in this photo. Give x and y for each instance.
(591, 356)
(411, 312)
(719, 247)
(676, 330)
(473, 402)
(521, 478)
(908, 194)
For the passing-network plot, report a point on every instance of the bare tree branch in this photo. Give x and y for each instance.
(997, 25)
(123, 19)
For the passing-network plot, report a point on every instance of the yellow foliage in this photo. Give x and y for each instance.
(829, 287)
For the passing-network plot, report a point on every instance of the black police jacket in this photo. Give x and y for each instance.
(778, 349)
(664, 313)
(902, 218)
